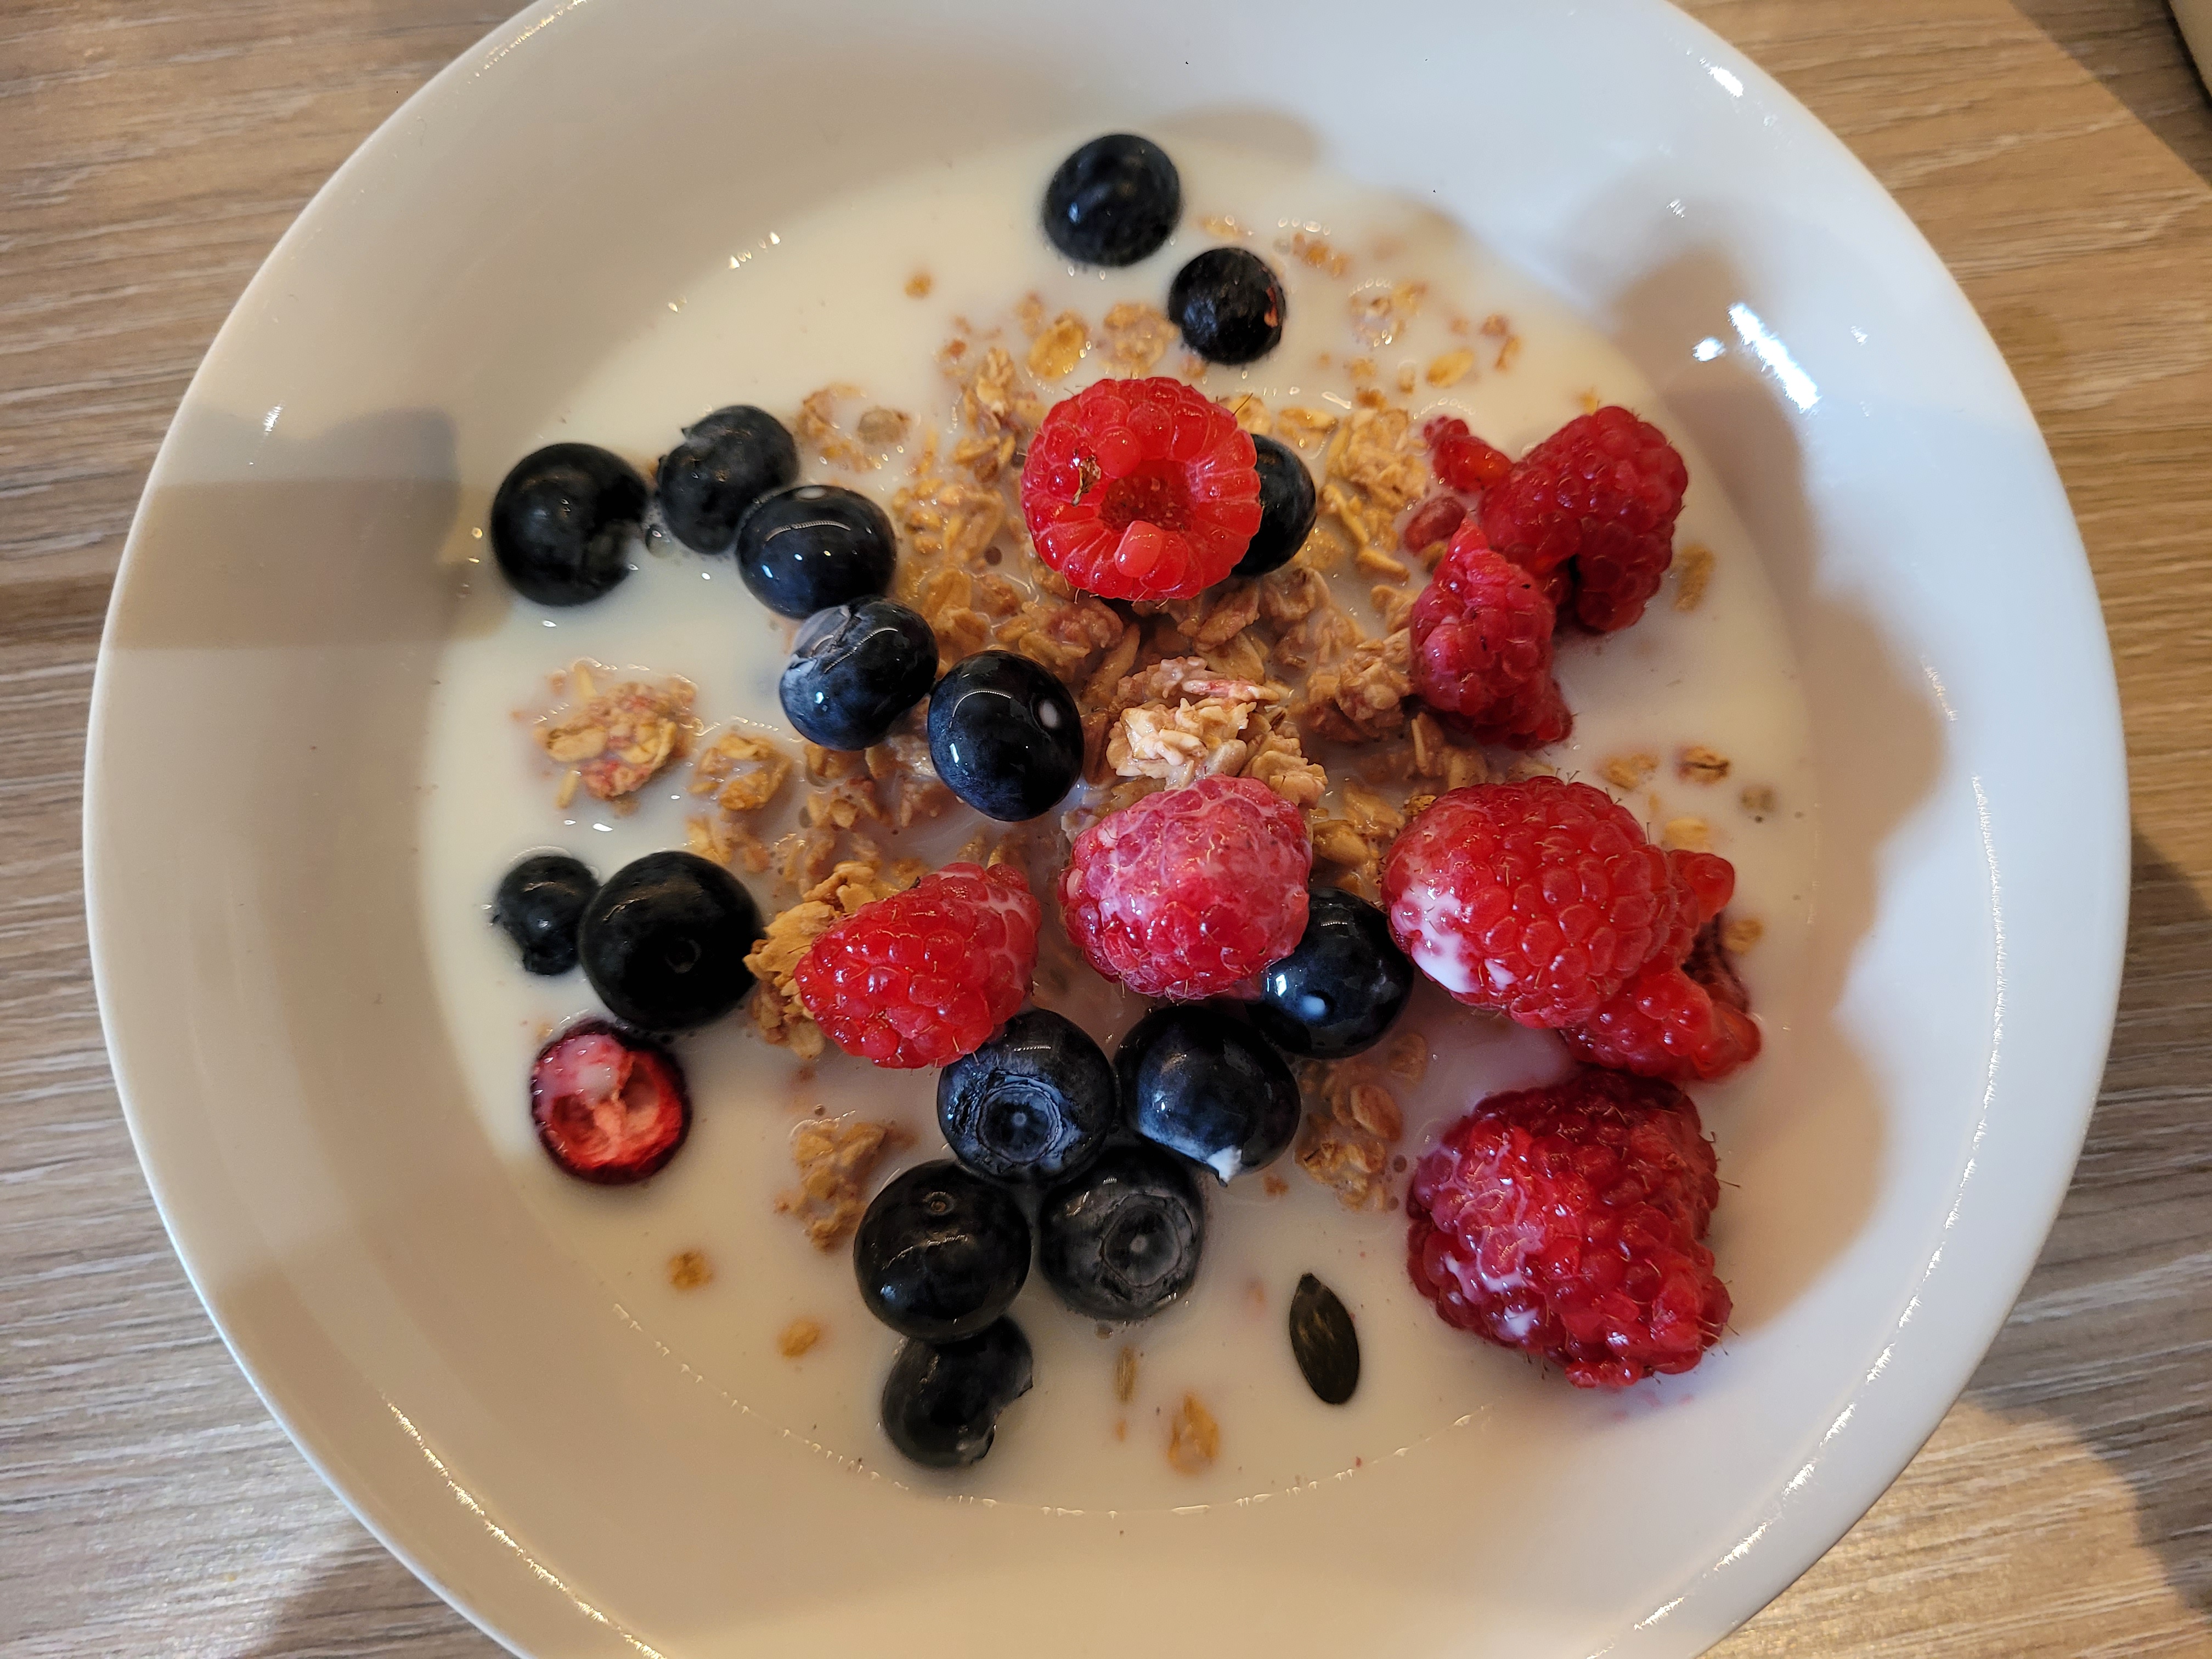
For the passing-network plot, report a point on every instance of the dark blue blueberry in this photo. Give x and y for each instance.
(940, 1252)
(1287, 506)
(563, 521)
(812, 546)
(1123, 1239)
(538, 904)
(1201, 1083)
(725, 464)
(1229, 305)
(1005, 735)
(664, 941)
(942, 1400)
(855, 670)
(1035, 1104)
(1114, 201)
(1338, 991)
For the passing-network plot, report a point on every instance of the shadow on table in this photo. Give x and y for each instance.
(2078, 1347)
(362, 1602)
(2134, 49)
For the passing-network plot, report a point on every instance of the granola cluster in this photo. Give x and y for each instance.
(835, 1156)
(1352, 1123)
(615, 742)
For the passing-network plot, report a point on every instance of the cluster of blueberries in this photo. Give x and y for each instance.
(1089, 1164)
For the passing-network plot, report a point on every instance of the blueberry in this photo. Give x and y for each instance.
(855, 670)
(1035, 1104)
(1200, 1083)
(942, 1400)
(812, 546)
(563, 521)
(1229, 305)
(1338, 991)
(664, 941)
(1005, 735)
(725, 464)
(538, 904)
(940, 1252)
(1123, 1240)
(1114, 201)
(1287, 506)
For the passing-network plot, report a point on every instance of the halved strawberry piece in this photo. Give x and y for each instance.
(611, 1106)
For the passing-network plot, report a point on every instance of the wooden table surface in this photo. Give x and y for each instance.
(2058, 153)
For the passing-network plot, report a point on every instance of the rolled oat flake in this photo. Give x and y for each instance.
(1323, 1342)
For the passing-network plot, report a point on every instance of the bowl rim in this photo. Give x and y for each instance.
(1793, 1540)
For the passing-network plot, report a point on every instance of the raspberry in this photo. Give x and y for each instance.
(1481, 632)
(1664, 1024)
(1535, 715)
(1704, 883)
(924, 976)
(1462, 460)
(1568, 1223)
(1141, 490)
(1604, 491)
(1187, 893)
(1538, 899)
(1432, 521)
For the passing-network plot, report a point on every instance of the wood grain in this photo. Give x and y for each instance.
(2059, 154)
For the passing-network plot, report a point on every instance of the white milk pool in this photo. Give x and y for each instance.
(823, 300)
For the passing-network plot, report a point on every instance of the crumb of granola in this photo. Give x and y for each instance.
(618, 740)
(1059, 347)
(1759, 801)
(1408, 378)
(798, 1337)
(1698, 764)
(689, 1269)
(741, 771)
(1030, 313)
(1629, 771)
(1686, 835)
(728, 840)
(1304, 427)
(1278, 759)
(919, 284)
(1407, 1056)
(1273, 1185)
(1352, 1120)
(1193, 1437)
(804, 856)
(816, 426)
(1070, 637)
(1742, 933)
(1357, 841)
(1125, 1375)
(1450, 367)
(1508, 352)
(835, 1156)
(1495, 326)
(1694, 568)
(1379, 311)
(1361, 368)
(1363, 698)
(1220, 224)
(1315, 251)
(1590, 402)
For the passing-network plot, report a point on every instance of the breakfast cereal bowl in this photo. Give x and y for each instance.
(608, 1419)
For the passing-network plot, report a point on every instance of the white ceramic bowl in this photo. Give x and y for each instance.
(477, 1398)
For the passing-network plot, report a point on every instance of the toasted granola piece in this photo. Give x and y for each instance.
(730, 842)
(1182, 743)
(834, 1157)
(1363, 698)
(900, 763)
(1193, 1437)
(1686, 835)
(1698, 764)
(1435, 756)
(741, 771)
(1693, 574)
(1070, 637)
(1059, 346)
(1379, 454)
(1629, 771)
(798, 1338)
(1357, 841)
(804, 857)
(617, 740)
(1304, 427)
(1137, 337)
(1351, 1123)
(1251, 413)
(993, 399)
(1450, 367)
(946, 519)
(1759, 801)
(816, 426)
(1407, 1056)
(689, 1270)
(1742, 933)
(1214, 618)
(1279, 760)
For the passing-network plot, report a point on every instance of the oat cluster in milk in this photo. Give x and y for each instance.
(1242, 710)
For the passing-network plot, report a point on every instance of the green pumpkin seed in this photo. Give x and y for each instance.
(1323, 1342)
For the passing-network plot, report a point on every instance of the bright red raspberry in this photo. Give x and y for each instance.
(1704, 883)
(1462, 460)
(1538, 899)
(1569, 1223)
(1604, 490)
(1664, 1024)
(922, 977)
(1481, 631)
(1188, 892)
(1141, 490)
